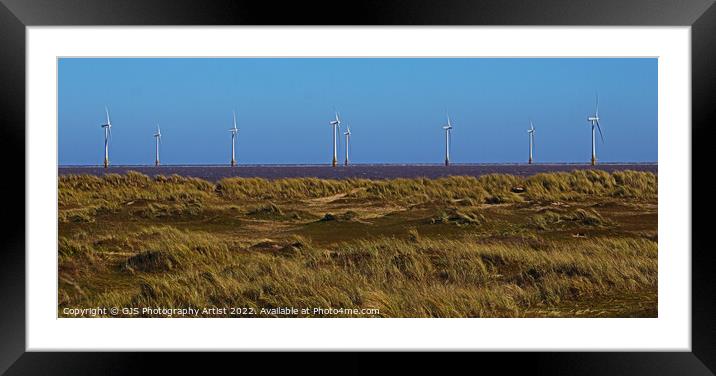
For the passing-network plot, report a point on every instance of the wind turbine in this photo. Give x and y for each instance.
(107, 134)
(348, 138)
(531, 133)
(157, 140)
(335, 124)
(594, 120)
(447, 129)
(233, 131)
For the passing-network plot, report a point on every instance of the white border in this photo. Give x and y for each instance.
(671, 331)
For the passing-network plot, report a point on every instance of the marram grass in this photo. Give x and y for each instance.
(558, 244)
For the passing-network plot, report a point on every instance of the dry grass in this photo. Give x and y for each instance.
(452, 247)
(551, 219)
(418, 278)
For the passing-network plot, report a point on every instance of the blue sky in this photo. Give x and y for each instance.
(395, 107)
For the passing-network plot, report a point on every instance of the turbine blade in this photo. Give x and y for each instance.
(600, 131)
(234, 113)
(106, 111)
(596, 113)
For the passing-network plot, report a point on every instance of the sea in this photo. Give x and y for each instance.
(356, 171)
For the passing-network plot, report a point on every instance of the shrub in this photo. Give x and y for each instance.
(459, 217)
(552, 219)
(268, 209)
(151, 262)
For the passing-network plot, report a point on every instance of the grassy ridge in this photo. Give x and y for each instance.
(559, 244)
(84, 189)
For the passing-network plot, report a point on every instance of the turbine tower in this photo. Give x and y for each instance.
(233, 131)
(531, 133)
(594, 120)
(447, 129)
(335, 124)
(348, 139)
(157, 140)
(107, 134)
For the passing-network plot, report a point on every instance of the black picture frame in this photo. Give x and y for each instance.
(16, 15)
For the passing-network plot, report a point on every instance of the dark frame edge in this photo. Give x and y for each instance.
(12, 132)
(703, 108)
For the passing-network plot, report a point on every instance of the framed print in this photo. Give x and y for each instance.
(468, 177)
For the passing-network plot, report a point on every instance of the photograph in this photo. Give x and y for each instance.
(476, 177)
(361, 187)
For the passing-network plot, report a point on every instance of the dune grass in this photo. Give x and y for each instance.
(493, 188)
(494, 246)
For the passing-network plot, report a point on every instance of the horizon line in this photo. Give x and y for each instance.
(361, 164)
